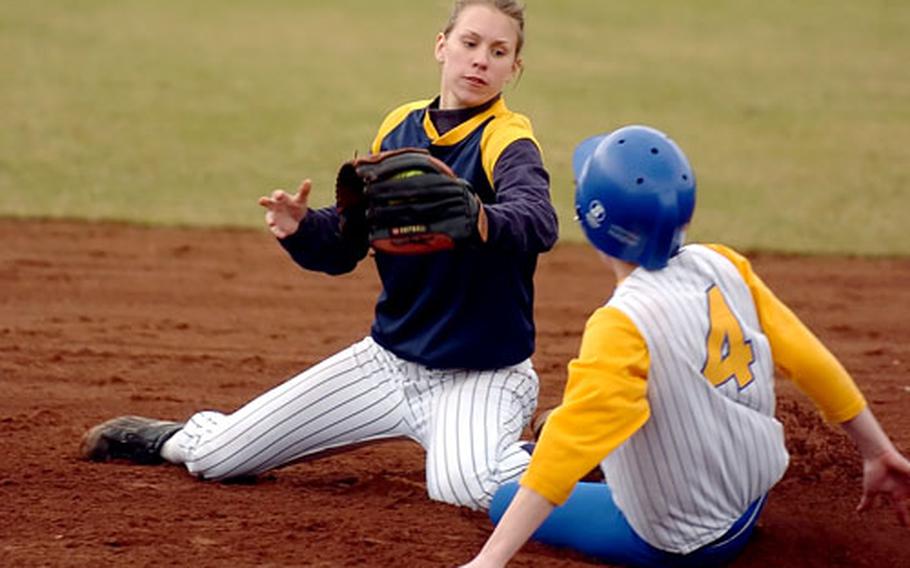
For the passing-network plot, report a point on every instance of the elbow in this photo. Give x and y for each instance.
(341, 264)
(339, 269)
(550, 234)
(334, 267)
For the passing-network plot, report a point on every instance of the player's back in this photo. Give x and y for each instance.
(712, 445)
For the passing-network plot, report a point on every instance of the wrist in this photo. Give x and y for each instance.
(867, 434)
(489, 558)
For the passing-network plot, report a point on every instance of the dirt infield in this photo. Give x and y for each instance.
(101, 320)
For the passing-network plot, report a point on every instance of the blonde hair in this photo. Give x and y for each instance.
(510, 8)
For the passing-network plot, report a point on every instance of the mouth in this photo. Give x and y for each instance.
(475, 81)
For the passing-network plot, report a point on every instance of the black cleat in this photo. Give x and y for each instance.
(132, 438)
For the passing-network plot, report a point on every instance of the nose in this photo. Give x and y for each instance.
(481, 59)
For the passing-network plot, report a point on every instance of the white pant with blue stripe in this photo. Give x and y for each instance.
(468, 421)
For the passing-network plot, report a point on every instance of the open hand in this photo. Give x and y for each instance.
(887, 476)
(284, 212)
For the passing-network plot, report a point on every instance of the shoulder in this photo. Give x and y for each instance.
(611, 330)
(507, 127)
(512, 120)
(610, 320)
(608, 317)
(398, 113)
(738, 260)
(727, 252)
(396, 117)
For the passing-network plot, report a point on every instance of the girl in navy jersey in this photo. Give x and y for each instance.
(447, 360)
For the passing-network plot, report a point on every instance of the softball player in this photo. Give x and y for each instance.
(672, 391)
(447, 361)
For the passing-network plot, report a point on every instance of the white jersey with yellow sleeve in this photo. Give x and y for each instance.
(674, 385)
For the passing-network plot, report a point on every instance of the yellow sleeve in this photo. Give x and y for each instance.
(604, 403)
(798, 353)
(392, 120)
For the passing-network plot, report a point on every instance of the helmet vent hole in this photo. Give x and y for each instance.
(640, 181)
(685, 177)
(623, 141)
(654, 151)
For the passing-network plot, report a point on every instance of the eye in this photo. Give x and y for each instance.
(469, 43)
(500, 52)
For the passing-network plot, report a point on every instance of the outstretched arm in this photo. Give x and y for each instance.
(818, 373)
(523, 218)
(526, 512)
(886, 473)
(311, 236)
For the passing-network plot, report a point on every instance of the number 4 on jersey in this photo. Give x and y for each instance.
(729, 352)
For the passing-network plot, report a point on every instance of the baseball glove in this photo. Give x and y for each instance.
(412, 203)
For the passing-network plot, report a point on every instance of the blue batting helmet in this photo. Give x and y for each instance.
(634, 194)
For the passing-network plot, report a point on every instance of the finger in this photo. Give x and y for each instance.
(903, 514)
(864, 503)
(265, 201)
(273, 226)
(303, 192)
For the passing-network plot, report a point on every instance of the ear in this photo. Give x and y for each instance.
(516, 69)
(440, 46)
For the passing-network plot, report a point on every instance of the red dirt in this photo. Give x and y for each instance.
(102, 320)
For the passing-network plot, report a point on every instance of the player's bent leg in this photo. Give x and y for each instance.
(591, 523)
(588, 522)
(473, 441)
(349, 398)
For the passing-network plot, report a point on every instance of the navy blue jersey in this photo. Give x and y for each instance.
(471, 307)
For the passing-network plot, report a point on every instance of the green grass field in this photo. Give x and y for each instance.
(796, 115)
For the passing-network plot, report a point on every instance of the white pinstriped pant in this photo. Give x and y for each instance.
(468, 421)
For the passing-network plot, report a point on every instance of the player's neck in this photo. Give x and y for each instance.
(621, 269)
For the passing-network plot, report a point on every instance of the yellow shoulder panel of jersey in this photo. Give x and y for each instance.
(506, 128)
(605, 403)
(393, 119)
(797, 352)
